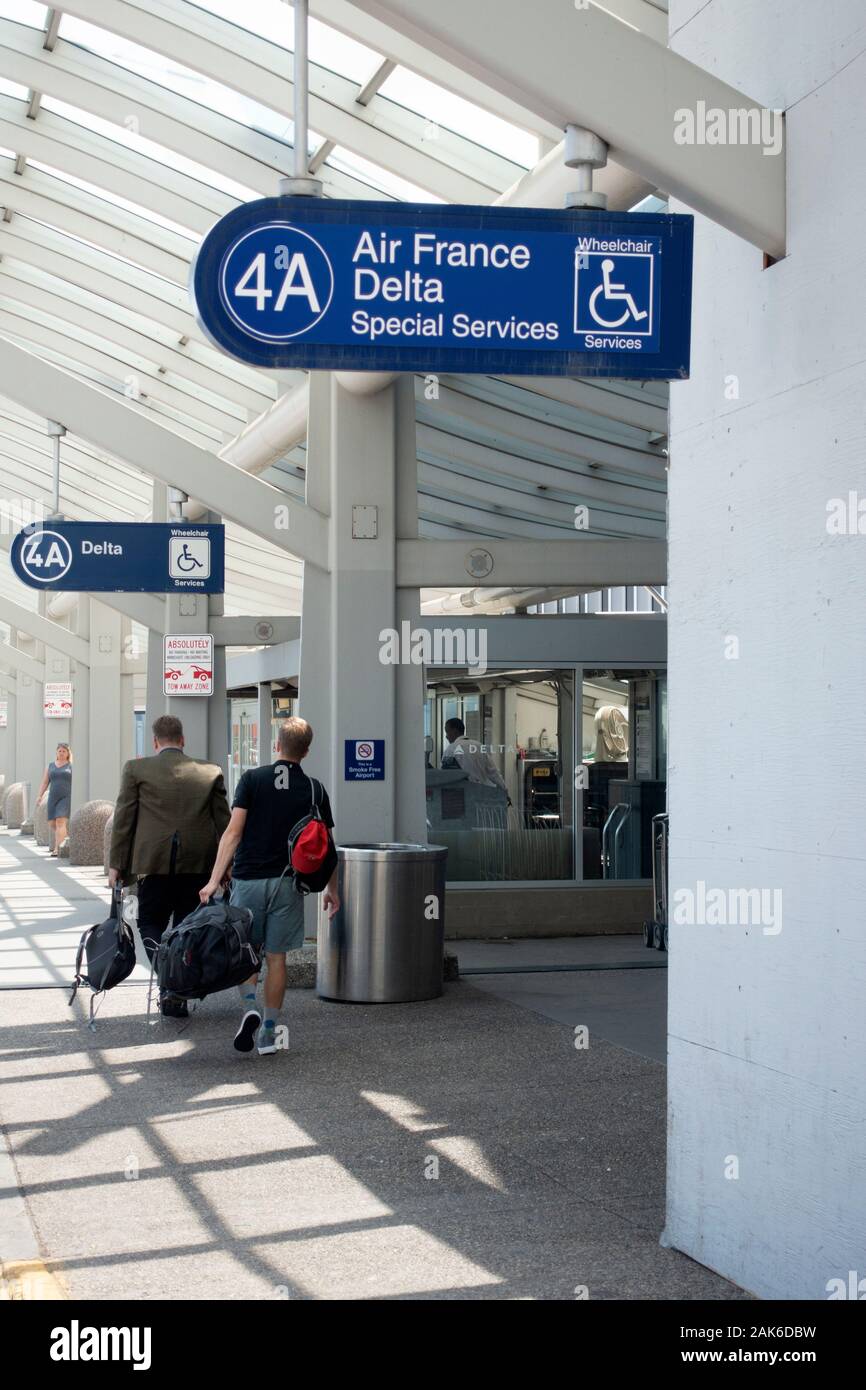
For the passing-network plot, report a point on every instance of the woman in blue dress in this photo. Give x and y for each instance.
(58, 782)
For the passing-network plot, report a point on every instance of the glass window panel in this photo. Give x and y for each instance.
(24, 12)
(377, 177)
(444, 108)
(150, 149)
(273, 20)
(107, 196)
(624, 777)
(13, 89)
(500, 780)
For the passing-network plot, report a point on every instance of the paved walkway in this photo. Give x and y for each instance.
(459, 1149)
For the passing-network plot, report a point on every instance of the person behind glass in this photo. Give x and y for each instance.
(58, 783)
(473, 759)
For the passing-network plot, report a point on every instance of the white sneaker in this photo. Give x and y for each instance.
(267, 1041)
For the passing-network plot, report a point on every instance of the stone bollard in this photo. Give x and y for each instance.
(16, 804)
(106, 843)
(87, 832)
(40, 821)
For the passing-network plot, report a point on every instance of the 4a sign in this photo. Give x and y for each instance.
(123, 557)
(313, 283)
(188, 664)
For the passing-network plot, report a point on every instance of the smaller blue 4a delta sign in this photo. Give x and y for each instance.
(319, 283)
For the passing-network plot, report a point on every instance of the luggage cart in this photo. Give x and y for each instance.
(655, 933)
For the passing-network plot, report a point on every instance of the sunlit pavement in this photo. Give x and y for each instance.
(45, 905)
(462, 1148)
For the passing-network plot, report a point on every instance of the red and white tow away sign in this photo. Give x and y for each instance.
(57, 699)
(188, 664)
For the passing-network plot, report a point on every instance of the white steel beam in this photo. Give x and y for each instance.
(127, 369)
(585, 67)
(241, 632)
(13, 656)
(71, 148)
(349, 19)
(44, 630)
(110, 424)
(587, 564)
(47, 198)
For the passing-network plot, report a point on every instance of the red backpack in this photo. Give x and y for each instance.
(312, 854)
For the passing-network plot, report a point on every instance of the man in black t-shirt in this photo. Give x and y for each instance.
(269, 802)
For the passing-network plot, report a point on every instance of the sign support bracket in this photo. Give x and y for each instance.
(584, 152)
(302, 183)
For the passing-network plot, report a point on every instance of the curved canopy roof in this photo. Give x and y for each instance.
(127, 129)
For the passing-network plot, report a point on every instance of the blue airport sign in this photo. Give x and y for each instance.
(315, 283)
(365, 760)
(125, 557)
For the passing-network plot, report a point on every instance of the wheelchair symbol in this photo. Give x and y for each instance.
(186, 561)
(614, 293)
(613, 301)
(189, 556)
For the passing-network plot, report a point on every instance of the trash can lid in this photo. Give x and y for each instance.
(392, 851)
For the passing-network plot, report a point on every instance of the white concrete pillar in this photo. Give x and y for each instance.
(361, 454)
(80, 733)
(8, 738)
(188, 613)
(105, 738)
(267, 752)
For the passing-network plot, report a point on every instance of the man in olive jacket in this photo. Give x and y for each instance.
(171, 811)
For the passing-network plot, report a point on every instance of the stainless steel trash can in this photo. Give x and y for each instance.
(387, 942)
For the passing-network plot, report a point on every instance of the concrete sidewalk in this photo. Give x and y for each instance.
(457, 1149)
(45, 905)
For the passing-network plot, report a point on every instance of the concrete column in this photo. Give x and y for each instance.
(361, 454)
(8, 739)
(188, 613)
(106, 710)
(30, 723)
(267, 752)
(57, 668)
(155, 699)
(410, 804)
(361, 602)
(80, 739)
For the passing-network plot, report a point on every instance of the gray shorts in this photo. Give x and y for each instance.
(279, 927)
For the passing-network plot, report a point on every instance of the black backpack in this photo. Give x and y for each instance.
(210, 950)
(110, 951)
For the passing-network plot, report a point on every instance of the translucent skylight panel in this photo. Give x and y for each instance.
(150, 149)
(117, 201)
(465, 118)
(184, 81)
(273, 20)
(13, 89)
(348, 162)
(24, 12)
